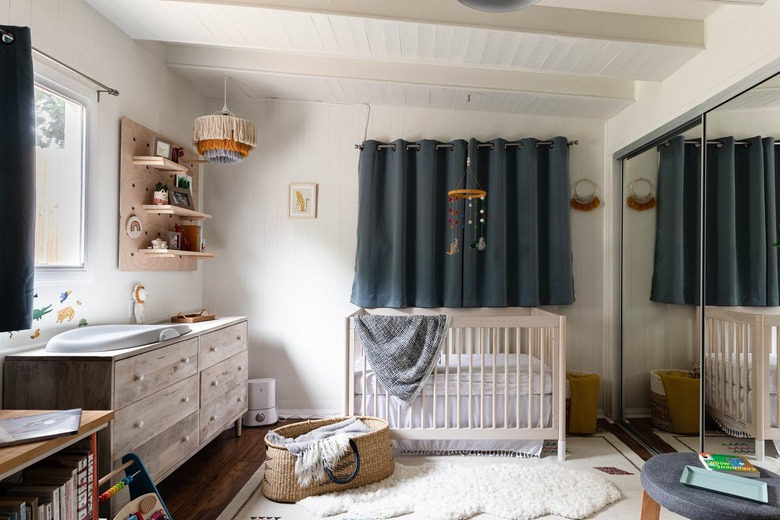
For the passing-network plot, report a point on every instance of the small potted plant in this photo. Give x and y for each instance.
(160, 193)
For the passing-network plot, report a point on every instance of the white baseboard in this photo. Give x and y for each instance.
(307, 413)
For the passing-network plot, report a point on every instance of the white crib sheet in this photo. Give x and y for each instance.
(715, 366)
(472, 378)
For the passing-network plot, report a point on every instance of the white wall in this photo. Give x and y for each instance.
(74, 33)
(293, 278)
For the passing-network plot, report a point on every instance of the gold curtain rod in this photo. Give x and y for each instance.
(417, 146)
(104, 88)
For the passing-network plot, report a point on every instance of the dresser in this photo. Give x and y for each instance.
(169, 398)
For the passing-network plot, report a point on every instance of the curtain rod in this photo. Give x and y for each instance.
(104, 88)
(716, 142)
(417, 146)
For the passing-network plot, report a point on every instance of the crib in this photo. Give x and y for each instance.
(740, 371)
(499, 384)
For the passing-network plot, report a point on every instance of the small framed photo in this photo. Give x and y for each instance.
(162, 148)
(181, 198)
(303, 201)
(184, 181)
(174, 240)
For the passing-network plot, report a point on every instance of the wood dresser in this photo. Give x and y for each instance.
(170, 398)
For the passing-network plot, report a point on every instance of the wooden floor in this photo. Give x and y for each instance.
(205, 485)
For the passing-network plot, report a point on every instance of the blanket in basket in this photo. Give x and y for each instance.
(402, 350)
(320, 448)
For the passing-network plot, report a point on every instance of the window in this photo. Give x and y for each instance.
(60, 128)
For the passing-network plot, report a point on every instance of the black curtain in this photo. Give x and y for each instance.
(17, 179)
(741, 224)
(403, 233)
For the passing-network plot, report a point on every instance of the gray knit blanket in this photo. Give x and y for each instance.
(402, 350)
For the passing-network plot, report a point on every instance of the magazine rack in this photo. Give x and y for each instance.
(140, 488)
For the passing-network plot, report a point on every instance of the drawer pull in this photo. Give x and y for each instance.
(239, 337)
(213, 418)
(139, 425)
(213, 349)
(186, 438)
(214, 383)
(186, 399)
(185, 360)
(240, 399)
(240, 368)
(139, 377)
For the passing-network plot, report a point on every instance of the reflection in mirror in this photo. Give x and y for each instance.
(660, 348)
(742, 316)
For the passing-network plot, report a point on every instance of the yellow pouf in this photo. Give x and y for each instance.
(584, 401)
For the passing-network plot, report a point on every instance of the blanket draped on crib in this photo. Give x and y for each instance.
(402, 350)
(320, 448)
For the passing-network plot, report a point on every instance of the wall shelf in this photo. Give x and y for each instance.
(167, 209)
(159, 163)
(173, 253)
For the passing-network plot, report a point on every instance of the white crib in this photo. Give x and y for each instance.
(740, 362)
(500, 384)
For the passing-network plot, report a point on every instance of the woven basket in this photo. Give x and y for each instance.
(374, 456)
(659, 405)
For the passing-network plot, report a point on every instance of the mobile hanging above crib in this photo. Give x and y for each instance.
(467, 206)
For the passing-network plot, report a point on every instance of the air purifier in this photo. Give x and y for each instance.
(262, 402)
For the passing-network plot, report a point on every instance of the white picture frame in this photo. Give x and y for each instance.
(302, 201)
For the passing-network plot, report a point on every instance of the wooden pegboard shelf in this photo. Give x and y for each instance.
(173, 253)
(159, 163)
(167, 209)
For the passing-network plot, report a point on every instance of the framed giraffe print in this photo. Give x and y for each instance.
(303, 201)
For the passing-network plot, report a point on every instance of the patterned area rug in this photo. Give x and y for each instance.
(601, 455)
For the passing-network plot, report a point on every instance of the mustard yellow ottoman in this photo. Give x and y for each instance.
(583, 403)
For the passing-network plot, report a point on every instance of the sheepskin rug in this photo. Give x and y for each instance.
(446, 490)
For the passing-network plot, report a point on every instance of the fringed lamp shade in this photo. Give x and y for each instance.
(224, 138)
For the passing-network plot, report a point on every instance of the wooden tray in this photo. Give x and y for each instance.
(192, 318)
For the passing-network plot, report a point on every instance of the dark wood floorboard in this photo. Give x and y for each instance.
(203, 486)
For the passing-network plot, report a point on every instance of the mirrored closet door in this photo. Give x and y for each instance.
(660, 262)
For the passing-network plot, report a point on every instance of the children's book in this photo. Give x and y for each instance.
(37, 427)
(733, 464)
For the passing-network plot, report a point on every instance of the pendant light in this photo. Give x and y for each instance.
(222, 137)
(498, 6)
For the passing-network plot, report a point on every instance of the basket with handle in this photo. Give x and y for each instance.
(369, 460)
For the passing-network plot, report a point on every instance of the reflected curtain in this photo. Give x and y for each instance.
(17, 179)
(741, 224)
(403, 233)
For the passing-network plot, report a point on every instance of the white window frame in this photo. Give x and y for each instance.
(84, 94)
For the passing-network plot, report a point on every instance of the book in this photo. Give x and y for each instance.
(38, 427)
(732, 464)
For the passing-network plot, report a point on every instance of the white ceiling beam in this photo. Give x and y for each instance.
(576, 23)
(430, 74)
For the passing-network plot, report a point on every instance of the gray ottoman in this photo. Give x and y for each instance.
(661, 482)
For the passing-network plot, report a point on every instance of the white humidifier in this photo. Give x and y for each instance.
(262, 402)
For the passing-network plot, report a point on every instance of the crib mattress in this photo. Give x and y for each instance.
(472, 375)
(715, 365)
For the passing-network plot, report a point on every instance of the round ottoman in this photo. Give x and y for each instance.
(661, 481)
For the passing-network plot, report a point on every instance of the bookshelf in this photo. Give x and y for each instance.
(18, 457)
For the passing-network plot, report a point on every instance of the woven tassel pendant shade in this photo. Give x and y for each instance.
(222, 137)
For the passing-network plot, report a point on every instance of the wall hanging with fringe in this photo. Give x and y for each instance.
(641, 202)
(587, 201)
(222, 137)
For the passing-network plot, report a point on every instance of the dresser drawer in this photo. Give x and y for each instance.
(219, 379)
(221, 344)
(142, 420)
(142, 375)
(216, 415)
(167, 449)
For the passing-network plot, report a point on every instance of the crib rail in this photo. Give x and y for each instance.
(738, 344)
(501, 376)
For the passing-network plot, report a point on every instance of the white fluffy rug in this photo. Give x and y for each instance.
(448, 490)
(601, 457)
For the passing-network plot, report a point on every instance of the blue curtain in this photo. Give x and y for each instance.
(17, 179)
(403, 234)
(741, 224)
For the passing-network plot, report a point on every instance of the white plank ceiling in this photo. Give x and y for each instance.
(570, 58)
